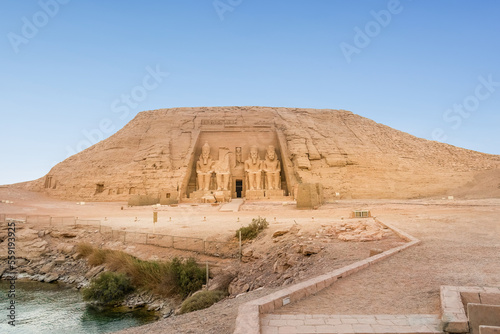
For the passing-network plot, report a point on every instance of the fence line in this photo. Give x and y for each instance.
(214, 248)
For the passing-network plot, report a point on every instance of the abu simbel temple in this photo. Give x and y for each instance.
(208, 155)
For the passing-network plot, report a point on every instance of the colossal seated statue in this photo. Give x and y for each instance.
(204, 168)
(272, 168)
(223, 172)
(253, 168)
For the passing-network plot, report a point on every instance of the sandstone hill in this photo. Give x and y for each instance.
(351, 156)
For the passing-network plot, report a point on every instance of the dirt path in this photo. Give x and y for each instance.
(460, 246)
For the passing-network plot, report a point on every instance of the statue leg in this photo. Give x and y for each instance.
(277, 180)
(200, 181)
(219, 181)
(206, 181)
(269, 179)
(226, 181)
(258, 180)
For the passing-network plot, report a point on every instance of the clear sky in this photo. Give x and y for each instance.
(73, 72)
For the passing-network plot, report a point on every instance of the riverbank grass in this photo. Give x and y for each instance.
(176, 278)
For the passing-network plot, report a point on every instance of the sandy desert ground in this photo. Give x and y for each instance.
(460, 246)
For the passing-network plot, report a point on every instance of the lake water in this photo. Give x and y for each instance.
(43, 308)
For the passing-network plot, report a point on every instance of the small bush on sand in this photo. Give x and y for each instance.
(253, 229)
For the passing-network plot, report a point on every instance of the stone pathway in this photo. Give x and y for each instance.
(347, 324)
(233, 206)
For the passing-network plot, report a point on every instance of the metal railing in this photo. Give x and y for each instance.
(199, 245)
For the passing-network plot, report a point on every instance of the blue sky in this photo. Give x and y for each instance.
(73, 72)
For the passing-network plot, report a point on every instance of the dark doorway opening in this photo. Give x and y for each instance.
(239, 188)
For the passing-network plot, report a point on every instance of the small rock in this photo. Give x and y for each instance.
(68, 234)
(47, 268)
(311, 249)
(247, 252)
(49, 278)
(66, 249)
(375, 251)
(280, 233)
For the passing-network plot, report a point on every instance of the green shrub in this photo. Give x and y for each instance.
(201, 300)
(188, 277)
(108, 288)
(253, 229)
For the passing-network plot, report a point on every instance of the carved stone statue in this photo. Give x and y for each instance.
(238, 157)
(253, 168)
(204, 168)
(223, 172)
(272, 168)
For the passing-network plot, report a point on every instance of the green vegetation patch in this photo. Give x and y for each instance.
(253, 229)
(176, 278)
(108, 288)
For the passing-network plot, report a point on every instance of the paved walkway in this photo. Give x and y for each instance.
(347, 324)
(233, 206)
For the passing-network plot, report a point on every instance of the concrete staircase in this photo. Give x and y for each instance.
(347, 324)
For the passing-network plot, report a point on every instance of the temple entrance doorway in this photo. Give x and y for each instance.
(239, 188)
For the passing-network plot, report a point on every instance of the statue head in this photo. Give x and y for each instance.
(205, 153)
(271, 153)
(254, 154)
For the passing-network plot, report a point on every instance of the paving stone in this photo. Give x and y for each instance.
(306, 329)
(269, 330)
(325, 329)
(490, 298)
(349, 321)
(384, 316)
(404, 329)
(382, 329)
(333, 321)
(314, 321)
(489, 330)
(481, 314)
(287, 330)
(344, 328)
(362, 328)
(292, 316)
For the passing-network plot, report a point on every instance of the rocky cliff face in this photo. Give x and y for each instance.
(351, 156)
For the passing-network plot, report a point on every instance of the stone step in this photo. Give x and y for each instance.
(233, 206)
(347, 324)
